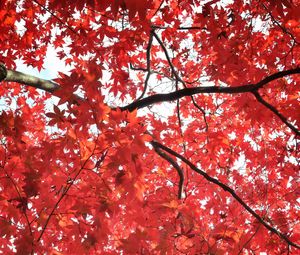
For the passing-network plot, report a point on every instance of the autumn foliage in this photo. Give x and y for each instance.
(176, 130)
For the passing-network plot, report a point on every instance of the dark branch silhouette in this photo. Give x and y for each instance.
(158, 98)
(156, 144)
(274, 110)
(174, 72)
(148, 70)
(176, 166)
(50, 86)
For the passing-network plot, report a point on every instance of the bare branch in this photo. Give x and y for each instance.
(160, 5)
(30, 80)
(228, 189)
(3, 72)
(50, 86)
(137, 68)
(172, 96)
(202, 111)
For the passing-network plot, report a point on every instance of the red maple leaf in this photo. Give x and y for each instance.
(175, 132)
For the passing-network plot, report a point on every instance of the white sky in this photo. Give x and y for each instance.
(52, 65)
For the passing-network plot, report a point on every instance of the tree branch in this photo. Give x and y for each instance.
(253, 88)
(50, 86)
(30, 80)
(279, 25)
(277, 113)
(158, 98)
(174, 72)
(26, 79)
(3, 72)
(228, 189)
(148, 57)
(172, 96)
(67, 188)
(176, 166)
(180, 28)
(276, 76)
(56, 17)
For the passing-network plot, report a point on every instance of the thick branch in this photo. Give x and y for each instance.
(3, 72)
(30, 80)
(276, 76)
(50, 86)
(158, 98)
(172, 96)
(228, 189)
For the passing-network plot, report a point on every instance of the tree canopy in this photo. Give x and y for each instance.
(174, 128)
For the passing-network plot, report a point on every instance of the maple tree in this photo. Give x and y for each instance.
(176, 131)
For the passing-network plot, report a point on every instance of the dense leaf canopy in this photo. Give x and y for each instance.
(171, 129)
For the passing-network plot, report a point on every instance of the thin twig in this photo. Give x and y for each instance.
(64, 193)
(23, 210)
(148, 57)
(279, 25)
(160, 5)
(56, 17)
(202, 111)
(152, 72)
(174, 72)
